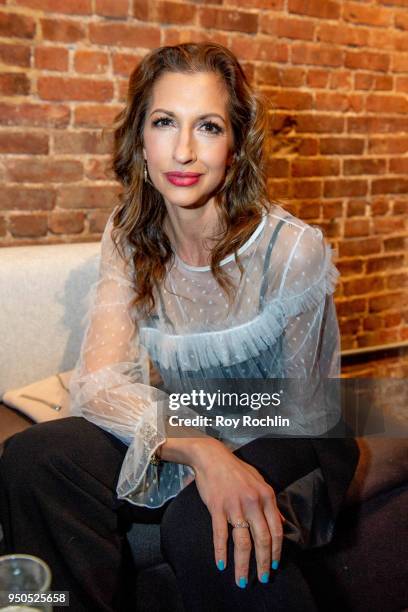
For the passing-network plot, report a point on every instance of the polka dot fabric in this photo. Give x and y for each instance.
(281, 324)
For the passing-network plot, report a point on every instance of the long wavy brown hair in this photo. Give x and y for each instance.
(240, 201)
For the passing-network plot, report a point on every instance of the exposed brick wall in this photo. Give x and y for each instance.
(335, 74)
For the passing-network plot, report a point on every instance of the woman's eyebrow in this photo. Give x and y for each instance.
(163, 110)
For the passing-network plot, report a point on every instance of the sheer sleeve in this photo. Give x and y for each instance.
(311, 339)
(110, 383)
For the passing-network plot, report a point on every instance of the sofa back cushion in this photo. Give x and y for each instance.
(43, 301)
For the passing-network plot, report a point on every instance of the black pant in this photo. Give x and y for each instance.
(58, 501)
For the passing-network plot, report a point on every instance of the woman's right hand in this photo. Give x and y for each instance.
(235, 491)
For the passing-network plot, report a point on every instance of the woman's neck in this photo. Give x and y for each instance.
(188, 229)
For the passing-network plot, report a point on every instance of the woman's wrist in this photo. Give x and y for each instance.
(192, 451)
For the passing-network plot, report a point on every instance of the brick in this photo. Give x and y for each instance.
(350, 267)
(3, 226)
(221, 19)
(384, 263)
(401, 20)
(28, 225)
(278, 189)
(23, 198)
(356, 208)
(390, 144)
(265, 74)
(307, 189)
(373, 322)
(360, 286)
(400, 63)
(349, 326)
(400, 207)
(124, 35)
(367, 60)
(311, 210)
(367, 15)
(388, 225)
(338, 102)
(397, 281)
(278, 5)
(176, 12)
(15, 55)
(392, 319)
(66, 223)
(316, 54)
(389, 185)
(331, 210)
(51, 58)
(103, 196)
(305, 146)
(177, 35)
(319, 123)
(122, 89)
(397, 243)
(317, 78)
(99, 169)
(298, 29)
(345, 187)
(277, 167)
(341, 146)
(340, 34)
(125, 63)
(23, 142)
(364, 166)
(380, 125)
(16, 26)
(95, 115)
(91, 62)
(14, 84)
(386, 104)
(292, 100)
(342, 79)
(401, 84)
(331, 228)
(97, 221)
(112, 8)
(386, 302)
(350, 306)
(82, 142)
(44, 170)
(60, 88)
(34, 115)
(256, 50)
(377, 338)
(379, 206)
(62, 30)
(323, 9)
(73, 7)
(356, 227)
(399, 165)
(358, 247)
(315, 167)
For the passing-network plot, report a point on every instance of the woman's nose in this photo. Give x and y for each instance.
(184, 150)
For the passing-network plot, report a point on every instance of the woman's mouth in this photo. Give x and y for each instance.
(182, 179)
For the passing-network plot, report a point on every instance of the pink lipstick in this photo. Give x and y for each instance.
(183, 179)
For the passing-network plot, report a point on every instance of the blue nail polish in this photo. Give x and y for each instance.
(242, 582)
(265, 577)
(275, 565)
(221, 564)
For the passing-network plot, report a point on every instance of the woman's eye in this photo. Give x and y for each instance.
(212, 128)
(162, 121)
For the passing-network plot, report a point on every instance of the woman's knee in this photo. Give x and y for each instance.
(29, 453)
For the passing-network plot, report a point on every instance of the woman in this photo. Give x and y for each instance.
(200, 272)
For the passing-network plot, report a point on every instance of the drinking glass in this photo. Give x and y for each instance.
(20, 575)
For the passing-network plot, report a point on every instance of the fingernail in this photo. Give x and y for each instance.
(275, 565)
(265, 577)
(221, 564)
(242, 582)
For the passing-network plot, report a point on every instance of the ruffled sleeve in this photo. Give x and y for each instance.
(311, 339)
(110, 384)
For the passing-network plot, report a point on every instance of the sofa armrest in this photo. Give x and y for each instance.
(383, 465)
